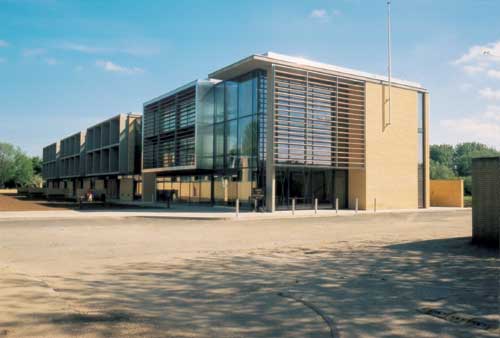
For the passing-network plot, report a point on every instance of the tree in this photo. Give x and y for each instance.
(442, 154)
(465, 152)
(440, 171)
(37, 165)
(16, 168)
(7, 163)
(23, 169)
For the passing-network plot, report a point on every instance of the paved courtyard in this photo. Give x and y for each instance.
(386, 275)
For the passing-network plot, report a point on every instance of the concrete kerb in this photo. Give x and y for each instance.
(243, 216)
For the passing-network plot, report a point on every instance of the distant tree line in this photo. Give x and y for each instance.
(448, 162)
(18, 169)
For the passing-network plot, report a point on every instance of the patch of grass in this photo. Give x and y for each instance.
(468, 201)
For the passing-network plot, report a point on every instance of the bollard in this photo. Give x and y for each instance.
(375, 205)
(356, 206)
(255, 207)
(237, 207)
(337, 205)
(293, 206)
(315, 206)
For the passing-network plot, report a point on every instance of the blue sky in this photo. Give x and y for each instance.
(65, 65)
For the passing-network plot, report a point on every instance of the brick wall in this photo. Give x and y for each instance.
(486, 201)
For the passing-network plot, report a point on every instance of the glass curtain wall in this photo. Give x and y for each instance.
(230, 144)
(237, 160)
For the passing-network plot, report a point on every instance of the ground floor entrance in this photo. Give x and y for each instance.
(305, 184)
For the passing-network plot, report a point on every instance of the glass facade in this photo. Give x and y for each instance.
(305, 184)
(230, 144)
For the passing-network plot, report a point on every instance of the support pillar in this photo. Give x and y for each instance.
(149, 187)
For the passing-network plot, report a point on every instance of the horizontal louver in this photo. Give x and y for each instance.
(169, 130)
(318, 119)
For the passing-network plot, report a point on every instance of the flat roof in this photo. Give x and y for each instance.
(170, 93)
(276, 58)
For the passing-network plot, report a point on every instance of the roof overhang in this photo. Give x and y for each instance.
(265, 61)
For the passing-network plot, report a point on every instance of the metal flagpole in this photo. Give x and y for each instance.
(389, 61)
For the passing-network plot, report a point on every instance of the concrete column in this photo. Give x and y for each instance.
(270, 168)
(127, 189)
(149, 187)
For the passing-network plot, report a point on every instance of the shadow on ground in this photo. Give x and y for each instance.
(368, 289)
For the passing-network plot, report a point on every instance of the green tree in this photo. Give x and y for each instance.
(16, 168)
(7, 163)
(442, 154)
(465, 152)
(440, 171)
(23, 169)
(37, 165)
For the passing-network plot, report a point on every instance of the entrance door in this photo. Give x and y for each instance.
(297, 187)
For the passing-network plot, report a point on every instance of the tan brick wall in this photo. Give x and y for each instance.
(447, 193)
(356, 186)
(391, 150)
(486, 201)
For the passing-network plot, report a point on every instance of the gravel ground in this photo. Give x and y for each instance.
(386, 275)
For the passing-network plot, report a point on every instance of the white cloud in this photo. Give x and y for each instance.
(3, 43)
(83, 48)
(494, 73)
(493, 113)
(471, 70)
(481, 53)
(319, 14)
(115, 68)
(489, 94)
(481, 60)
(483, 127)
(51, 61)
(465, 87)
(34, 52)
(88, 49)
(323, 15)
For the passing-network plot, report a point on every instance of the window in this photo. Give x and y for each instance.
(245, 97)
(219, 102)
(231, 98)
(231, 143)
(246, 141)
(219, 145)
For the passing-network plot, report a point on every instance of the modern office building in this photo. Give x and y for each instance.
(104, 159)
(271, 129)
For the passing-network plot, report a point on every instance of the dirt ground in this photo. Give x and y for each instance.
(386, 275)
(12, 202)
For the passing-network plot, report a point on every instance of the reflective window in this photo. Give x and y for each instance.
(245, 97)
(219, 102)
(219, 139)
(231, 143)
(231, 100)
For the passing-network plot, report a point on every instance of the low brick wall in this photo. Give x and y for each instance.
(486, 201)
(447, 193)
